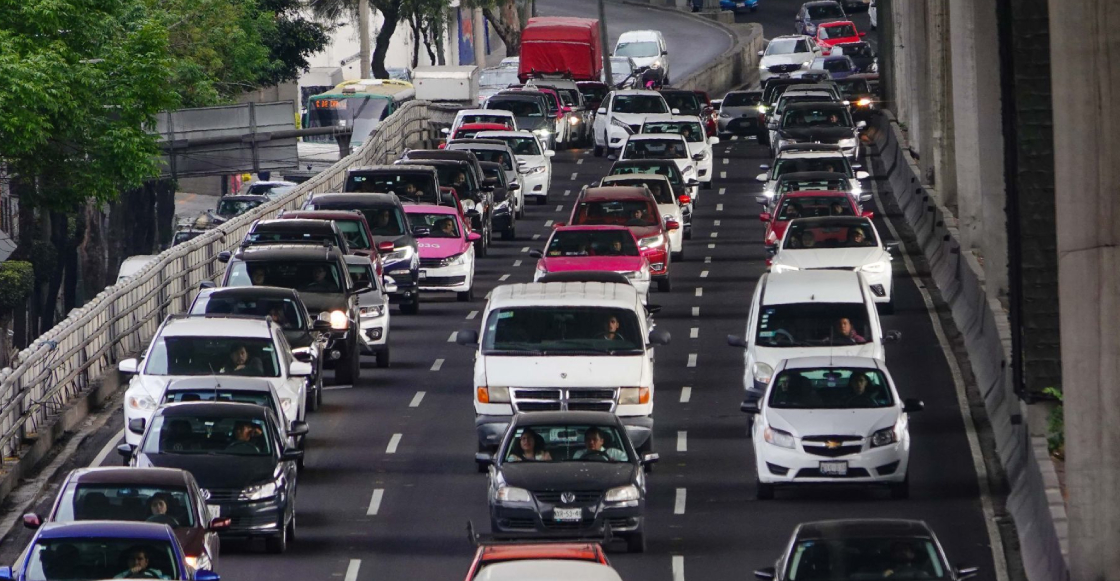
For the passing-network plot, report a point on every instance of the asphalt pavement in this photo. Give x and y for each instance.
(390, 479)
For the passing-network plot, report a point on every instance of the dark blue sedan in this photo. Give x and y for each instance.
(104, 550)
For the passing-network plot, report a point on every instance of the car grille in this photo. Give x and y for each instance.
(434, 262)
(789, 68)
(581, 497)
(218, 495)
(563, 399)
(842, 268)
(816, 473)
(622, 523)
(832, 446)
(519, 523)
(564, 525)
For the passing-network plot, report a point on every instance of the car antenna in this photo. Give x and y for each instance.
(217, 381)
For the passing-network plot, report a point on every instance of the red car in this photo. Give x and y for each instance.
(352, 224)
(806, 204)
(574, 551)
(635, 208)
(469, 130)
(832, 33)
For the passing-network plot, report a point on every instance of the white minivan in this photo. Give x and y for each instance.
(809, 313)
(564, 346)
(646, 47)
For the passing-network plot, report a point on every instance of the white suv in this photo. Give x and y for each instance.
(622, 114)
(786, 54)
(212, 345)
(564, 346)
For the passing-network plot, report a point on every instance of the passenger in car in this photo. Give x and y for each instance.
(530, 447)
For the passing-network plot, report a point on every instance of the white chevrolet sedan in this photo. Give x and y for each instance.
(699, 144)
(829, 420)
(842, 242)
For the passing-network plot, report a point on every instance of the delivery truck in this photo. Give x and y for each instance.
(560, 45)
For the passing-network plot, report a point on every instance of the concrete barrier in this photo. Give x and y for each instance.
(985, 331)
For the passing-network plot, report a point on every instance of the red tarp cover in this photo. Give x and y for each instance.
(556, 44)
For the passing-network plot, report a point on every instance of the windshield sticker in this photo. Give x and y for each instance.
(505, 315)
(765, 334)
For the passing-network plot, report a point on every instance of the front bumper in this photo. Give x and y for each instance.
(502, 219)
(407, 289)
(535, 184)
(258, 518)
(704, 169)
(455, 278)
(745, 124)
(537, 517)
(777, 465)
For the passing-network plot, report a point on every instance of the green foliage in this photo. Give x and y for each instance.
(17, 279)
(1056, 424)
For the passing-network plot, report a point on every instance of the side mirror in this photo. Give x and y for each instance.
(483, 459)
(219, 524)
(713, 140)
(750, 407)
(762, 201)
(32, 521)
(862, 34)
(206, 575)
(299, 369)
(445, 131)
(474, 236)
(861, 125)
(672, 225)
(136, 426)
(684, 199)
(650, 458)
(911, 405)
(761, 52)
(601, 111)
(764, 166)
(224, 256)
(124, 451)
(892, 337)
(549, 153)
(764, 217)
(469, 338)
(385, 246)
(698, 157)
(692, 183)
(659, 337)
(206, 284)
(390, 286)
(868, 214)
(736, 341)
(321, 326)
(862, 175)
(567, 109)
(664, 53)
(473, 213)
(865, 198)
(891, 246)
(298, 428)
(535, 254)
(304, 356)
(131, 365)
(559, 224)
(675, 111)
(765, 573)
(421, 231)
(612, 156)
(291, 455)
(762, 177)
(513, 187)
(967, 572)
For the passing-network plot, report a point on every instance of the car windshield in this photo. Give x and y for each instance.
(812, 207)
(841, 234)
(190, 355)
(493, 156)
(457, 176)
(355, 234)
(498, 77)
(823, 11)
(566, 443)
(662, 192)
(211, 435)
(126, 502)
(266, 234)
(303, 276)
(813, 324)
(786, 46)
(218, 393)
(519, 107)
(639, 104)
(88, 558)
(640, 49)
(684, 101)
(838, 163)
(628, 212)
(592, 243)
(902, 559)
(811, 117)
(228, 208)
(472, 118)
(742, 99)
(837, 31)
(284, 311)
(562, 330)
(655, 149)
(830, 388)
(522, 145)
(860, 49)
(669, 170)
(441, 225)
(691, 130)
(413, 185)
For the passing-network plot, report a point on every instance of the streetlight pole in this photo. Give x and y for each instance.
(604, 42)
(363, 43)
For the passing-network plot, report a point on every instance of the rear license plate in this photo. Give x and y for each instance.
(567, 514)
(423, 275)
(215, 510)
(834, 468)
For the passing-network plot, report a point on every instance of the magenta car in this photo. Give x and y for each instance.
(610, 248)
(446, 249)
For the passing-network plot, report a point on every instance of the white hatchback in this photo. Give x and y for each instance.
(825, 420)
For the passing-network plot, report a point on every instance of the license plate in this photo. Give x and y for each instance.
(423, 275)
(567, 514)
(215, 510)
(834, 468)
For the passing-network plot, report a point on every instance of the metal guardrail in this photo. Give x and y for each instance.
(121, 320)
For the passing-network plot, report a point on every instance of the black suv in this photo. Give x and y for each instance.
(465, 175)
(394, 237)
(562, 473)
(238, 456)
(505, 199)
(296, 231)
(320, 276)
(413, 184)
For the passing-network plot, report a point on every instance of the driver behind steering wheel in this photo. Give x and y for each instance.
(593, 439)
(158, 504)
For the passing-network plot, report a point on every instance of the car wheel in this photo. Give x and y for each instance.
(277, 544)
(383, 358)
(706, 185)
(411, 308)
(509, 233)
(598, 151)
(679, 255)
(348, 368)
(636, 543)
(319, 392)
(900, 490)
(887, 308)
(763, 491)
(480, 246)
(312, 399)
(466, 296)
(542, 200)
(688, 234)
(521, 210)
(664, 285)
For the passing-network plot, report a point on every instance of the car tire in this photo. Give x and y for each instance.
(348, 369)
(688, 233)
(900, 490)
(542, 200)
(480, 246)
(520, 211)
(313, 399)
(664, 285)
(679, 255)
(411, 308)
(636, 542)
(509, 233)
(279, 543)
(383, 358)
(887, 308)
(466, 296)
(763, 491)
(706, 185)
(598, 151)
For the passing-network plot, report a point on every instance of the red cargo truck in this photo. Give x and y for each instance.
(553, 45)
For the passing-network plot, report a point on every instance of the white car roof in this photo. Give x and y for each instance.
(547, 570)
(692, 118)
(655, 137)
(820, 361)
(584, 294)
(622, 177)
(203, 326)
(809, 154)
(789, 36)
(622, 92)
(638, 35)
(487, 112)
(812, 286)
(521, 133)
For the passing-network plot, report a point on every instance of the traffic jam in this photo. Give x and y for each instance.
(564, 361)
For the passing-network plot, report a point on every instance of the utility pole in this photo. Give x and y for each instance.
(604, 42)
(363, 34)
(478, 33)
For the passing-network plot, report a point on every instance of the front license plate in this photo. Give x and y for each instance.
(834, 468)
(215, 510)
(423, 275)
(567, 514)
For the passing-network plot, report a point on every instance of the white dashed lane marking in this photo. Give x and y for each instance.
(503, 278)
(695, 311)
(722, 191)
(352, 569)
(472, 315)
(678, 567)
(574, 176)
(694, 333)
(682, 441)
(375, 502)
(559, 207)
(717, 222)
(579, 161)
(699, 291)
(536, 236)
(678, 504)
(416, 399)
(393, 443)
(686, 394)
(712, 245)
(516, 263)
(548, 223)
(726, 161)
(691, 360)
(722, 176)
(703, 274)
(437, 365)
(525, 249)
(719, 207)
(454, 334)
(715, 235)
(707, 260)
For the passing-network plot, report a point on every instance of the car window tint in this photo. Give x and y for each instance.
(813, 325)
(126, 502)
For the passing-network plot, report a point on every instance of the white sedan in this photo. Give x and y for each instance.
(699, 144)
(534, 161)
(670, 147)
(787, 53)
(825, 420)
(622, 114)
(838, 242)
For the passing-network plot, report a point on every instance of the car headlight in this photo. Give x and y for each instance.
(512, 494)
(573, 120)
(724, 115)
(863, 102)
(762, 108)
(884, 437)
(633, 274)
(339, 320)
(457, 260)
(763, 372)
(633, 395)
(623, 494)
(398, 254)
(260, 491)
(656, 64)
(141, 402)
(534, 170)
(493, 394)
(542, 133)
(778, 438)
(649, 241)
(779, 268)
(374, 311)
(847, 143)
(874, 268)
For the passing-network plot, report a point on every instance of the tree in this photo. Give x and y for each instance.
(507, 17)
(17, 278)
(392, 12)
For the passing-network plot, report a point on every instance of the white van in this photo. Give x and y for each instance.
(809, 313)
(564, 346)
(646, 47)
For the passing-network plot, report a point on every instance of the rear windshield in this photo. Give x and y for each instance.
(355, 234)
(128, 502)
(661, 192)
(519, 107)
(634, 213)
(690, 130)
(228, 208)
(824, 117)
(686, 102)
(592, 243)
(838, 31)
(655, 149)
(303, 276)
(669, 170)
(821, 11)
(407, 184)
(829, 235)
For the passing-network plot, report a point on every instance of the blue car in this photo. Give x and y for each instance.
(739, 5)
(104, 550)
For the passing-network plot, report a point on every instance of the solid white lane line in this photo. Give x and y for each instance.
(472, 315)
(454, 334)
(503, 278)
(691, 360)
(109, 448)
(682, 441)
(694, 332)
(699, 291)
(678, 567)
(437, 365)
(715, 234)
(416, 399)
(393, 443)
(703, 274)
(548, 223)
(525, 249)
(516, 263)
(375, 502)
(559, 207)
(695, 311)
(678, 504)
(719, 207)
(722, 175)
(722, 191)
(574, 176)
(352, 570)
(536, 236)
(686, 394)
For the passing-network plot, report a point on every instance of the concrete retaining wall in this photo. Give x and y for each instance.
(985, 331)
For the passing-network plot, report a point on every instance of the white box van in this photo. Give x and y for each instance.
(809, 313)
(564, 346)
